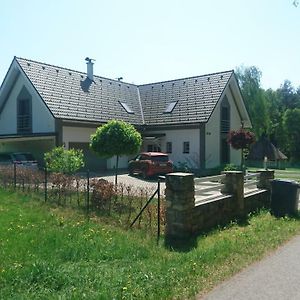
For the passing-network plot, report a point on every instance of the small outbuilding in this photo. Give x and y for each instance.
(264, 148)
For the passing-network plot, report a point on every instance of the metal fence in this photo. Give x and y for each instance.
(96, 197)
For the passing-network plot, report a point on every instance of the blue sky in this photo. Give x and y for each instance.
(149, 41)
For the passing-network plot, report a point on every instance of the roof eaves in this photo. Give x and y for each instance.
(141, 107)
(185, 78)
(72, 70)
(221, 95)
(24, 73)
(12, 86)
(240, 91)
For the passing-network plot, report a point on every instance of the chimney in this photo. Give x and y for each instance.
(90, 72)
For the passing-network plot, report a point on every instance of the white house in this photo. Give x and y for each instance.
(43, 106)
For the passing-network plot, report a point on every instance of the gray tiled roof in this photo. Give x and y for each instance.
(196, 98)
(70, 95)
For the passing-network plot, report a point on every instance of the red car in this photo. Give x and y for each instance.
(150, 163)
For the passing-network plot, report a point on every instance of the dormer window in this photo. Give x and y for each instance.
(126, 107)
(170, 107)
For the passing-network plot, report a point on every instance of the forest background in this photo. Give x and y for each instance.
(274, 114)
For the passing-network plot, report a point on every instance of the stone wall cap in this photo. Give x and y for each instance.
(182, 174)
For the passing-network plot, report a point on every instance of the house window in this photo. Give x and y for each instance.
(225, 128)
(169, 147)
(24, 113)
(170, 107)
(126, 107)
(153, 148)
(186, 147)
(225, 116)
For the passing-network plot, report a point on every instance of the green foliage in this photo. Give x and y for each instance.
(182, 167)
(64, 161)
(268, 110)
(291, 121)
(231, 167)
(254, 97)
(276, 131)
(51, 253)
(116, 138)
(287, 96)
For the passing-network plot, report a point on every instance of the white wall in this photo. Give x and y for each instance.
(42, 120)
(212, 137)
(235, 124)
(77, 134)
(83, 135)
(177, 137)
(213, 134)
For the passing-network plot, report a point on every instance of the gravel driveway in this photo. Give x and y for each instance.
(135, 181)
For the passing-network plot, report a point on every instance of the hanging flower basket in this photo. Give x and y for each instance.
(240, 139)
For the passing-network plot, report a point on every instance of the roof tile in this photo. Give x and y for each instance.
(70, 94)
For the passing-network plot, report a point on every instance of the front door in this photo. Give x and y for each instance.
(225, 150)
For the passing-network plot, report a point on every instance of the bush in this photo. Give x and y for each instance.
(182, 167)
(64, 161)
(230, 167)
(103, 192)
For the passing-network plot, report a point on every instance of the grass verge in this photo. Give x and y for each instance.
(55, 253)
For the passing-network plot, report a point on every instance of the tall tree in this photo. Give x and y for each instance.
(116, 138)
(254, 97)
(291, 121)
(276, 131)
(289, 98)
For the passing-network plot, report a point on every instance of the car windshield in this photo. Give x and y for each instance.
(160, 158)
(23, 157)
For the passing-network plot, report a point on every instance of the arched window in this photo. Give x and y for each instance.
(225, 128)
(24, 112)
(225, 116)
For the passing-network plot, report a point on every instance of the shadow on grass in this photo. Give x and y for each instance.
(186, 244)
(181, 244)
(283, 214)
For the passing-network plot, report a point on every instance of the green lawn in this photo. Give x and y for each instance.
(289, 173)
(293, 174)
(55, 253)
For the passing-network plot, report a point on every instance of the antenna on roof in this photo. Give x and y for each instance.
(119, 78)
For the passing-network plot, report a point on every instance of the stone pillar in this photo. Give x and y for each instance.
(234, 185)
(180, 199)
(264, 180)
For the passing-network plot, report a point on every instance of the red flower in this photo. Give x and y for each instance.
(240, 139)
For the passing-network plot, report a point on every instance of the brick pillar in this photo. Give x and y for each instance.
(264, 180)
(234, 185)
(180, 199)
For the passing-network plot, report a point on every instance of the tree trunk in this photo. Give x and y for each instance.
(243, 169)
(116, 171)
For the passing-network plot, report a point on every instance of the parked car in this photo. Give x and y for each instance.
(22, 159)
(150, 163)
